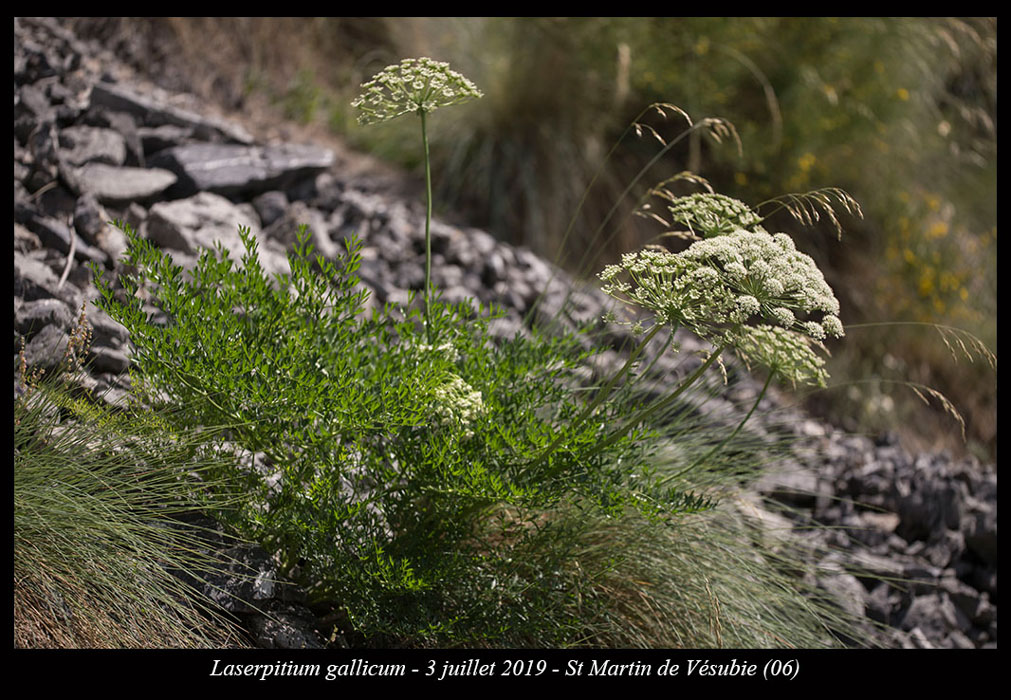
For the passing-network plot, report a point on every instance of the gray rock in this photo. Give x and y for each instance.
(31, 316)
(980, 529)
(47, 349)
(91, 221)
(105, 330)
(33, 279)
(285, 230)
(154, 110)
(157, 138)
(56, 235)
(86, 144)
(125, 125)
(234, 169)
(120, 186)
(935, 615)
(103, 359)
(285, 626)
(201, 221)
(244, 580)
(271, 206)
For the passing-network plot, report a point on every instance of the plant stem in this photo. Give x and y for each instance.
(428, 231)
(602, 395)
(728, 438)
(662, 403)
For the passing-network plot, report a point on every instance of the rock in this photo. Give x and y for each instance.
(33, 279)
(31, 108)
(126, 126)
(155, 110)
(105, 359)
(188, 225)
(57, 235)
(243, 581)
(980, 530)
(157, 138)
(235, 170)
(935, 615)
(120, 186)
(31, 316)
(47, 349)
(271, 206)
(81, 147)
(91, 221)
(798, 486)
(89, 144)
(25, 240)
(285, 626)
(105, 330)
(285, 230)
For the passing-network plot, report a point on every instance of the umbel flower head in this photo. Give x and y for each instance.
(719, 283)
(710, 214)
(789, 355)
(457, 403)
(415, 85)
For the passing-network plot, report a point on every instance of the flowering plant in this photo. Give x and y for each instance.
(418, 86)
(739, 286)
(713, 214)
(415, 85)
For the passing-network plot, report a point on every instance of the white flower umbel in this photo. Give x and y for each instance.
(713, 214)
(789, 355)
(678, 291)
(413, 86)
(457, 403)
(787, 283)
(447, 350)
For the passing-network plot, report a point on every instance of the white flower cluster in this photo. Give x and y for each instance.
(739, 285)
(676, 290)
(447, 349)
(784, 281)
(458, 403)
(713, 214)
(728, 280)
(415, 85)
(788, 354)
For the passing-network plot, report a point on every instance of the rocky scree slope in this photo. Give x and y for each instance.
(94, 143)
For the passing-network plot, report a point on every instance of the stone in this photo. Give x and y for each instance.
(154, 139)
(235, 170)
(271, 206)
(103, 359)
(89, 144)
(33, 279)
(154, 110)
(243, 580)
(980, 530)
(46, 350)
(57, 235)
(105, 329)
(935, 615)
(126, 126)
(31, 316)
(25, 240)
(120, 186)
(188, 225)
(285, 626)
(285, 230)
(91, 221)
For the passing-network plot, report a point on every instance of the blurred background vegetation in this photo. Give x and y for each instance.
(901, 113)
